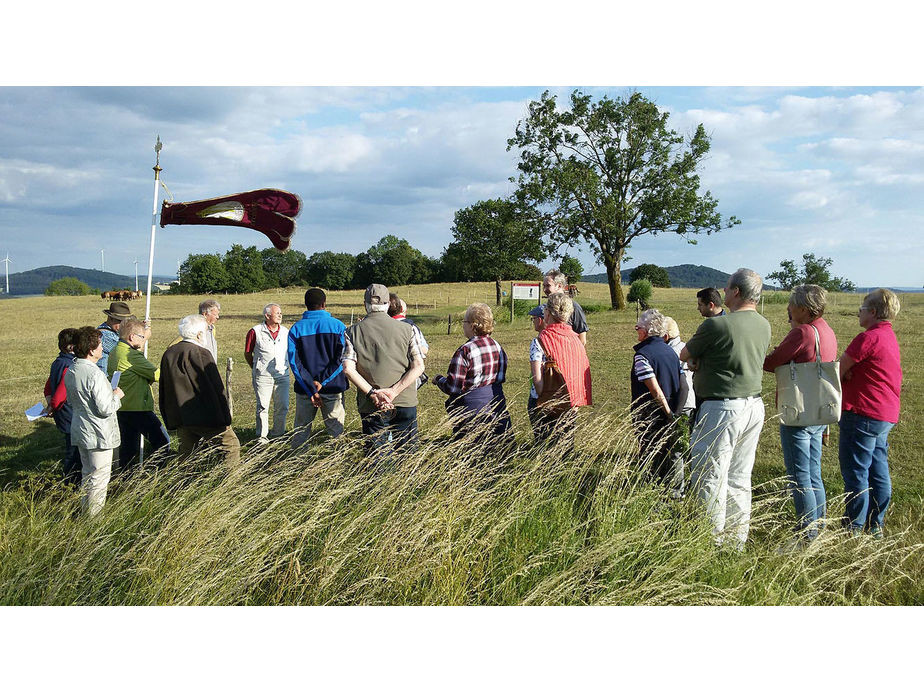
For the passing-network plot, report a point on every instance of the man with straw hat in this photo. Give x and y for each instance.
(118, 311)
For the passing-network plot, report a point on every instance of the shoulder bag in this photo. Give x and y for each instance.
(809, 394)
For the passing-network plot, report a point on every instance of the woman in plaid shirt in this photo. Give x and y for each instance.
(476, 374)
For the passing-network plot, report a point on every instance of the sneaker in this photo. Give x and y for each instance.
(262, 441)
(876, 533)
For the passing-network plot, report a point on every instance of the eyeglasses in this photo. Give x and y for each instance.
(141, 336)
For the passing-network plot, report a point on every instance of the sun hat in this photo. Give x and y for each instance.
(120, 310)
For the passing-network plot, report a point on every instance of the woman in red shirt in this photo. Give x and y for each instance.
(562, 345)
(802, 444)
(871, 373)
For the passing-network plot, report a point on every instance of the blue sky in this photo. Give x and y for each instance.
(838, 171)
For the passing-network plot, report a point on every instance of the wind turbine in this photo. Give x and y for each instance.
(6, 260)
(102, 254)
(136, 274)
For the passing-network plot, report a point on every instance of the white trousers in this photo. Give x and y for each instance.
(332, 412)
(96, 471)
(722, 449)
(266, 388)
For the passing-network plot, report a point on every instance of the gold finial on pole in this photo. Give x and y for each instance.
(157, 147)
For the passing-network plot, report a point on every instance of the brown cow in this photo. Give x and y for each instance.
(109, 295)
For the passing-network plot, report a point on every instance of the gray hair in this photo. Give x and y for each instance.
(748, 283)
(208, 304)
(559, 307)
(811, 297)
(191, 326)
(557, 276)
(654, 322)
(266, 308)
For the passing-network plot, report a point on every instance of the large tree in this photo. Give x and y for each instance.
(392, 262)
(609, 171)
(203, 274)
(658, 276)
(572, 268)
(330, 270)
(283, 268)
(245, 269)
(491, 241)
(815, 270)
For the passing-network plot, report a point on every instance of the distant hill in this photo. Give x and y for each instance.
(35, 281)
(681, 276)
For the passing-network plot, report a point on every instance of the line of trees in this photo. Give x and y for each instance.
(391, 261)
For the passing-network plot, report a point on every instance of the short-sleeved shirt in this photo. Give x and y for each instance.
(874, 386)
(730, 350)
(535, 354)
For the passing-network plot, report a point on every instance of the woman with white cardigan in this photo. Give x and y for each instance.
(94, 427)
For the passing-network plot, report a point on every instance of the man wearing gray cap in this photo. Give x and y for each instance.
(382, 359)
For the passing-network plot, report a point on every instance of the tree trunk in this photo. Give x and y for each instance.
(613, 278)
(497, 283)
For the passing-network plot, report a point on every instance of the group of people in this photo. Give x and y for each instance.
(710, 386)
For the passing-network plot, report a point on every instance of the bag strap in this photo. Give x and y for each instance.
(817, 344)
(792, 364)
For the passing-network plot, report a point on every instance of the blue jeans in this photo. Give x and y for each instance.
(802, 457)
(864, 457)
(383, 430)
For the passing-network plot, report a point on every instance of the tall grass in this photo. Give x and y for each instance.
(451, 523)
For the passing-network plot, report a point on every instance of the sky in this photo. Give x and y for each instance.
(837, 171)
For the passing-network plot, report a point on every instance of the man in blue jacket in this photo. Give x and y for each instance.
(315, 350)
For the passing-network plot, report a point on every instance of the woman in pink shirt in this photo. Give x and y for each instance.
(802, 444)
(871, 373)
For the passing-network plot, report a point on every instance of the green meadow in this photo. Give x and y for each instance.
(453, 523)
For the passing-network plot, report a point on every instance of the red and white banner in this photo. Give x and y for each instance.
(271, 212)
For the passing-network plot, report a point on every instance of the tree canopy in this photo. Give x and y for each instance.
(814, 271)
(656, 275)
(283, 268)
(491, 241)
(608, 171)
(68, 286)
(244, 267)
(202, 274)
(572, 268)
(330, 270)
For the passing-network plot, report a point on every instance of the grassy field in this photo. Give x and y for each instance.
(540, 527)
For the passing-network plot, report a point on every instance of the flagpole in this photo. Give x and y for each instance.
(147, 303)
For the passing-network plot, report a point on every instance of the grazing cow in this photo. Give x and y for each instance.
(573, 290)
(110, 295)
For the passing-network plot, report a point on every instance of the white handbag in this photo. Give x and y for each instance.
(809, 394)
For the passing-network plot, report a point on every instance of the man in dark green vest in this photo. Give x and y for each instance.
(382, 359)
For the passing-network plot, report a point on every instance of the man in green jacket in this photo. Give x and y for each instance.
(136, 415)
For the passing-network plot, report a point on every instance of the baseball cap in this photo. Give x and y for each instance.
(376, 294)
(537, 312)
